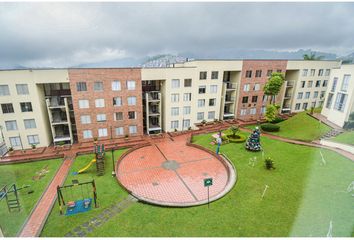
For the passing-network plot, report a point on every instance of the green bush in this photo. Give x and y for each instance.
(277, 120)
(270, 127)
(269, 163)
(237, 138)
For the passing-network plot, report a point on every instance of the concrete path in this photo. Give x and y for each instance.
(38, 216)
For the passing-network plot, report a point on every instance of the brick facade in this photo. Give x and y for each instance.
(107, 76)
(254, 65)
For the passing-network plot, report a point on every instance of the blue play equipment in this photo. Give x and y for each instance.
(78, 206)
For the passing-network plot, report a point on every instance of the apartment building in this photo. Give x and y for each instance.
(339, 103)
(306, 84)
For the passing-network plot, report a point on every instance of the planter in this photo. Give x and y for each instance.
(236, 139)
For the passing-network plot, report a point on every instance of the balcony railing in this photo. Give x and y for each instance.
(230, 85)
(152, 112)
(290, 83)
(229, 99)
(154, 96)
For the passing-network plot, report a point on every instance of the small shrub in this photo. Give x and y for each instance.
(189, 128)
(269, 163)
(33, 146)
(61, 143)
(204, 121)
(234, 129)
(270, 127)
(237, 138)
(126, 135)
(277, 120)
(175, 129)
(95, 139)
(11, 149)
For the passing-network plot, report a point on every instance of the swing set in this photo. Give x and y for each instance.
(10, 194)
(79, 205)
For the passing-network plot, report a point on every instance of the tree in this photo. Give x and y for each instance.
(273, 85)
(271, 113)
(312, 57)
(234, 129)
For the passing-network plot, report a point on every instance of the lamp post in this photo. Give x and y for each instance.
(113, 170)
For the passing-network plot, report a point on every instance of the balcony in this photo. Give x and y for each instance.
(230, 86)
(56, 102)
(229, 114)
(290, 83)
(154, 112)
(229, 99)
(61, 138)
(288, 95)
(154, 127)
(62, 92)
(154, 96)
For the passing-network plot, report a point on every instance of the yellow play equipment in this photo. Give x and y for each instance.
(87, 166)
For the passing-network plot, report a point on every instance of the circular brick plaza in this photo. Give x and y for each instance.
(170, 173)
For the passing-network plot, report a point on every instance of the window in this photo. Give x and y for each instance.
(279, 70)
(102, 132)
(174, 124)
(29, 123)
(26, 107)
(133, 129)
(340, 102)
(329, 100)
(200, 116)
(297, 106)
(81, 87)
(248, 74)
(116, 85)
(22, 89)
(87, 134)
(15, 141)
(187, 97)
(304, 106)
(11, 125)
(322, 94)
(256, 87)
(269, 73)
(263, 110)
(117, 101)
(328, 71)
(201, 102)
(264, 99)
(312, 73)
(4, 90)
(245, 100)
(243, 112)
(186, 123)
(33, 139)
(131, 101)
(101, 117)
(98, 86)
(325, 83)
(211, 115)
(175, 83)
(119, 131)
(85, 119)
(246, 87)
(203, 75)
(304, 72)
(7, 108)
(315, 94)
(83, 103)
(187, 82)
(174, 97)
(309, 84)
(318, 83)
(131, 115)
(214, 75)
(345, 83)
(202, 89)
(299, 95)
(174, 111)
(254, 99)
(118, 116)
(186, 110)
(320, 72)
(334, 84)
(131, 85)
(99, 103)
(258, 73)
(302, 84)
(213, 88)
(253, 111)
(212, 102)
(307, 95)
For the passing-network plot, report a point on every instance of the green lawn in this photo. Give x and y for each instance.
(346, 137)
(304, 195)
(22, 174)
(300, 127)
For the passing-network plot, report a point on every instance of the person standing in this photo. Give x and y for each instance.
(218, 141)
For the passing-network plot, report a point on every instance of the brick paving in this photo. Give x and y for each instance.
(171, 173)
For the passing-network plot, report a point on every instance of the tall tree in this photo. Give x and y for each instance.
(273, 85)
(312, 56)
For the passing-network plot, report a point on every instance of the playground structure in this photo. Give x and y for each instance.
(78, 205)
(99, 160)
(10, 194)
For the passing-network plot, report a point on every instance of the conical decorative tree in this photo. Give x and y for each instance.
(253, 142)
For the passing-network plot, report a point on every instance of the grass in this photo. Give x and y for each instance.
(300, 127)
(21, 174)
(304, 195)
(108, 192)
(346, 138)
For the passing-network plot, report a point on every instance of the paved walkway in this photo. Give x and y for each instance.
(324, 120)
(39, 214)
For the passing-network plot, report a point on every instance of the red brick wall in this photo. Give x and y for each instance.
(106, 76)
(254, 65)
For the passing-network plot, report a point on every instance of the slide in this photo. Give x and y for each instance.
(87, 167)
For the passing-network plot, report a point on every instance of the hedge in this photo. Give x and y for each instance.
(238, 138)
(270, 127)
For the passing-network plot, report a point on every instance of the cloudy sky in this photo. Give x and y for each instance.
(68, 34)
